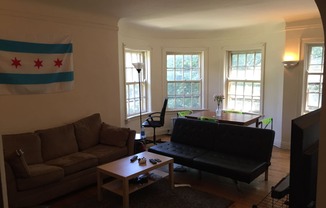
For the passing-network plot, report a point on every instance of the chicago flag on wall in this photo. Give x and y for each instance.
(33, 68)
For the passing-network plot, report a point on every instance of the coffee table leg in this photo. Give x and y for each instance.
(171, 175)
(125, 193)
(99, 186)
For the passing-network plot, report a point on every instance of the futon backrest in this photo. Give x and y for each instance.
(194, 132)
(248, 142)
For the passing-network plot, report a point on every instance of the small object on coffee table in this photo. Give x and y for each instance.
(142, 161)
(158, 160)
(153, 161)
(154, 177)
(134, 158)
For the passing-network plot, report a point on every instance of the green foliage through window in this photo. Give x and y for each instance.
(132, 82)
(183, 74)
(314, 77)
(244, 77)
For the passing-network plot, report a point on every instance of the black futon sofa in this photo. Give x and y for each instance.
(238, 152)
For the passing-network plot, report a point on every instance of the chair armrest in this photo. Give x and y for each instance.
(153, 115)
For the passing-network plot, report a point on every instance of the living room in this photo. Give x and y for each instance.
(97, 41)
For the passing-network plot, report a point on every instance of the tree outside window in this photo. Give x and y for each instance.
(132, 82)
(244, 81)
(314, 69)
(183, 74)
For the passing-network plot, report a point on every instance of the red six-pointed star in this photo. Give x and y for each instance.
(58, 63)
(15, 62)
(38, 63)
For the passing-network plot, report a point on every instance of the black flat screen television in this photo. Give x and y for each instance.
(304, 160)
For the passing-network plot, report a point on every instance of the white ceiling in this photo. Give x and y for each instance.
(195, 15)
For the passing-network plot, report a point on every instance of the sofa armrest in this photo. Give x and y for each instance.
(131, 142)
(11, 181)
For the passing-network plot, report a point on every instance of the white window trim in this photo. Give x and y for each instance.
(261, 46)
(305, 42)
(147, 75)
(204, 52)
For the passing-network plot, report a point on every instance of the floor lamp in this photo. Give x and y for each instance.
(139, 66)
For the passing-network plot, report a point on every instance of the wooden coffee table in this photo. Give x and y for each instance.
(123, 170)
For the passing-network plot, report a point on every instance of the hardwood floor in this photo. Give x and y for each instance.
(249, 194)
(245, 197)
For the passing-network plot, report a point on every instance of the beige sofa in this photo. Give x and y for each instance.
(49, 163)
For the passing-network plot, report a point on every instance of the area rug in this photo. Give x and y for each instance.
(158, 195)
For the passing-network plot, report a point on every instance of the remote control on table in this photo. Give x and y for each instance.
(153, 161)
(158, 160)
(134, 158)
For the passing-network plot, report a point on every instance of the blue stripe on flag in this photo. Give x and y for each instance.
(22, 79)
(25, 47)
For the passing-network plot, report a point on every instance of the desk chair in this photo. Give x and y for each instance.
(156, 119)
(184, 113)
(232, 111)
(264, 123)
(208, 119)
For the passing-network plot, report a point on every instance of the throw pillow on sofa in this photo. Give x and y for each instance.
(58, 141)
(18, 164)
(112, 135)
(87, 131)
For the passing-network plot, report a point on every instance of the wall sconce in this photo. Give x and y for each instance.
(290, 60)
(290, 64)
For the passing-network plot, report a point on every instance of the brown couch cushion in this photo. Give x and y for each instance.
(74, 162)
(40, 175)
(57, 142)
(18, 164)
(106, 153)
(112, 135)
(87, 131)
(29, 142)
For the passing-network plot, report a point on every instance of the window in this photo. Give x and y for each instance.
(132, 82)
(314, 69)
(244, 81)
(184, 83)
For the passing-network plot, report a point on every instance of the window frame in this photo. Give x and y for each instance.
(145, 72)
(186, 51)
(246, 50)
(306, 57)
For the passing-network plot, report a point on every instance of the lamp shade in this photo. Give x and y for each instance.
(138, 65)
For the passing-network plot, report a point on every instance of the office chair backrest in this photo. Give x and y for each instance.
(162, 115)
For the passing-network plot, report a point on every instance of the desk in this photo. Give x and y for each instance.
(243, 119)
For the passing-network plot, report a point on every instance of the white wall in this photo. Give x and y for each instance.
(296, 34)
(215, 44)
(95, 56)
